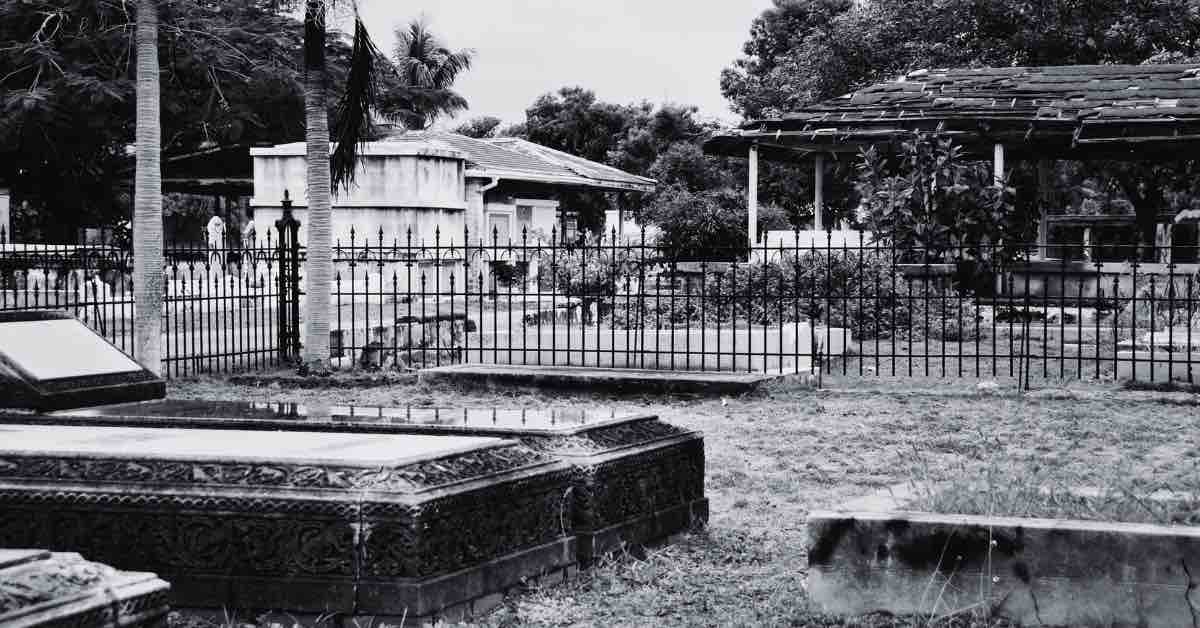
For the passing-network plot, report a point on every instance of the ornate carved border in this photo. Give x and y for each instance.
(409, 478)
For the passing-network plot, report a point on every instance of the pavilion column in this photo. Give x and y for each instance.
(998, 165)
(1045, 169)
(752, 196)
(819, 192)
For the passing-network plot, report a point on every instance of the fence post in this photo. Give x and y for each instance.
(289, 283)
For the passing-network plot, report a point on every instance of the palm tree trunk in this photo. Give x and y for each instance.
(147, 199)
(318, 265)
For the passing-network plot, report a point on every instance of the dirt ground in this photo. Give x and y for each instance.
(775, 455)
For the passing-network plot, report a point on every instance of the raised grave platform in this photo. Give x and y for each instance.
(43, 589)
(50, 360)
(386, 525)
(636, 479)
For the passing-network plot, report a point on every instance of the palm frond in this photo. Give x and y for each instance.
(352, 123)
(418, 107)
(450, 65)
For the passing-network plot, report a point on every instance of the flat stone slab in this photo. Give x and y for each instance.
(606, 379)
(39, 588)
(871, 556)
(387, 525)
(50, 360)
(636, 479)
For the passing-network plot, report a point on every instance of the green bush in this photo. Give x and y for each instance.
(1159, 303)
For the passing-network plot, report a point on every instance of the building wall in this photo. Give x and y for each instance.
(5, 220)
(426, 225)
(382, 181)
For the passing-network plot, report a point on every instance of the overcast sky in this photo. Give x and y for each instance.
(623, 50)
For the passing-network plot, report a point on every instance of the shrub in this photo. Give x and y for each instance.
(1158, 303)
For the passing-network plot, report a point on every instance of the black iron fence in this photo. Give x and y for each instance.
(828, 304)
(831, 303)
(220, 308)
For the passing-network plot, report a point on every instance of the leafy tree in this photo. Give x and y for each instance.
(230, 73)
(802, 51)
(944, 207)
(481, 128)
(573, 120)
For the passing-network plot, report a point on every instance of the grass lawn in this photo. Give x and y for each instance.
(776, 454)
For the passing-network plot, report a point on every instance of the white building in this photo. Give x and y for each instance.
(441, 186)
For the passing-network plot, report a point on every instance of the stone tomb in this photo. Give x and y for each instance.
(385, 525)
(40, 588)
(50, 361)
(636, 479)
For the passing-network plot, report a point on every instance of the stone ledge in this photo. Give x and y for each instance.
(609, 380)
(869, 559)
(334, 381)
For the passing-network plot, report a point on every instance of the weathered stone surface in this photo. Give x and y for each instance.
(636, 479)
(1033, 571)
(49, 361)
(359, 524)
(40, 588)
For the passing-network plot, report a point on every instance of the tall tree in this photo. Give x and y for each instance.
(318, 263)
(147, 203)
(230, 73)
(426, 67)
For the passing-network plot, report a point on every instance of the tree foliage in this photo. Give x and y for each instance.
(802, 51)
(425, 69)
(930, 199)
(480, 128)
(231, 73)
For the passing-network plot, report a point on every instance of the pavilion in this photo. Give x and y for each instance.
(1105, 112)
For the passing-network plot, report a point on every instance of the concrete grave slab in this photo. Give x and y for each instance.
(50, 360)
(43, 589)
(871, 555)
(618, 380)
(636, 479)
(387, 525)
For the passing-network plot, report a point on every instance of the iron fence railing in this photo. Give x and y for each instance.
(219, 310)
(867, 309)
(830, 304)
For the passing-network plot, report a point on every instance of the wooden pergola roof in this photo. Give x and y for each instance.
(1070, 112)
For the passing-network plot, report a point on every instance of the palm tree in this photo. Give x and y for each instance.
(147, 199)
(353, 126)
(427, 65)
(318, 265)
(326, 173)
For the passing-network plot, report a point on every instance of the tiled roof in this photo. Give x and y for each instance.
(578, 165)
(1055, 92)
(1072, 107)
(510, 158)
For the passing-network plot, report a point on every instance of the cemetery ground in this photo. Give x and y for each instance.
(776, 454)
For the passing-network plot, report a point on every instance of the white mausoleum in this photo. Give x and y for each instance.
(428, 181)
